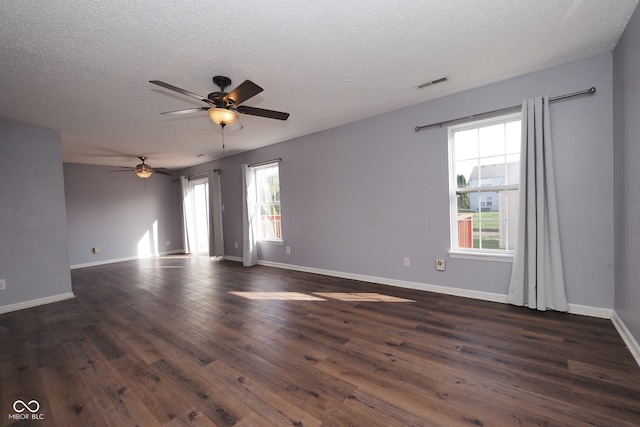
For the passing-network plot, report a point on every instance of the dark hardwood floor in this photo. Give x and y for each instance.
(164, 341)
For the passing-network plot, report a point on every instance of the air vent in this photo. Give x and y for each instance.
(432, 82)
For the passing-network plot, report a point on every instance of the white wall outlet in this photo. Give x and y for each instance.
(440, 265)
(235, 245)
(288, 249)
(96, 249)
(168, 242)
(407, 261)
(3, 284)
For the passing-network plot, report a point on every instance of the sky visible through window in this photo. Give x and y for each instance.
(490, 145)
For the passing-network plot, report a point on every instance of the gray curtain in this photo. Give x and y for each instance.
(249, 249)
(187, 214)
(216, 240)
(537, 277)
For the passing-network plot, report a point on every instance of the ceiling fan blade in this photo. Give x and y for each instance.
(162, 172)
(123, 170)
(186, 111)
(179, 90)
(270, 114)
(246, 90)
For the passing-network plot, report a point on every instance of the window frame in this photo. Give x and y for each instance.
(501, 255)
(259, 231)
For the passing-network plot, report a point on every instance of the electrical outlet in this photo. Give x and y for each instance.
(168, 242)
(3, 284)
(407, 261)
(288, 250)
(440, 265)
(235, 245)
(96, 250)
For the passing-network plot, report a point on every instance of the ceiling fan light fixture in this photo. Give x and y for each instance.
(144, 171)
(223, 116)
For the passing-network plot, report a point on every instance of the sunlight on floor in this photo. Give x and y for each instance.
(342, 296)
(362, 296)
(281, 296)
(154, 267)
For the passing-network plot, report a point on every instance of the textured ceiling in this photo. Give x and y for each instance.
(82, 67)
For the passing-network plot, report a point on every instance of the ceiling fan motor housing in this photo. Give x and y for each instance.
(218, 99)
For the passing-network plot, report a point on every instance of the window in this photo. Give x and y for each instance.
(267, 179)
(484, 167)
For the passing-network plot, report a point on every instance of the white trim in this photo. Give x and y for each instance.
(114, 260)
(472, 123)
(487, 188)
(483, 256)
(233, 258)
(626, 336)
(35, 302)
(455, 251)
(106, 261)
(279, 242)
(585, 310)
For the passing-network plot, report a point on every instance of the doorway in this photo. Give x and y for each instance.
(199, 192)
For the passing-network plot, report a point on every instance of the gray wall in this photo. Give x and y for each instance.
(356, 199)
(627, 168)
(117, 213)
(359, 198)
(33, 226)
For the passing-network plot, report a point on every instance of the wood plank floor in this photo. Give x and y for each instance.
(190, 341)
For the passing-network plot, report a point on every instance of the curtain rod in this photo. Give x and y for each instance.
(589, 91)
(205, 173)
(253, 165)
(199, 174)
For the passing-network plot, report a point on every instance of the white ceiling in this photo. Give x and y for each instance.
(82, 67)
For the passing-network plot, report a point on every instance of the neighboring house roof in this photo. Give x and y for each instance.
(489, 171)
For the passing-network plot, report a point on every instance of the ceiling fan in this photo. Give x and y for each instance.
(222, 106)
(143, 170)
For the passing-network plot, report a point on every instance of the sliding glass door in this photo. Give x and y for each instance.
(199, 195)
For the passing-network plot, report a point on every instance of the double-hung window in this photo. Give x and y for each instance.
(484, 168)
(268, 213)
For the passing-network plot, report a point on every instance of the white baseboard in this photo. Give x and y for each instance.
(102, 262)
(114, 260)
(626, 336)
(233, 258)
(585, 310)
(36, 302)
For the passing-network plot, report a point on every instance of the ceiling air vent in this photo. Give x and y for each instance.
(432, 82)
